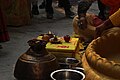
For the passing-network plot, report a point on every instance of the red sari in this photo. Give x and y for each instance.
(113, 4)
(4, 36)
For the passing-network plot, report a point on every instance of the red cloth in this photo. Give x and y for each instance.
(97, 21)
(113, 4)
(3, 29)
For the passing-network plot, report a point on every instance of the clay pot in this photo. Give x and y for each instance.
(36, 63)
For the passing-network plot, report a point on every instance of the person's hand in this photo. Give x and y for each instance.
(82, 23)
(102, 27)
(99, 30)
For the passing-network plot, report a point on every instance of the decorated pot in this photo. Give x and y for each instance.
(36, 63)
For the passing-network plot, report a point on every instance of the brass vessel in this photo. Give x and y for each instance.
(36, 63)
(101, 60)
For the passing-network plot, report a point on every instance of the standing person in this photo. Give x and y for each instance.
(66, 5)
(4, 36)
(60, 4)
(35, 10)
(42, 5)
(49, 9)
(47, 4)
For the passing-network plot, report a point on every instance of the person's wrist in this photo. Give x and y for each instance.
(108, 24)
(82, 23)
(81, 15)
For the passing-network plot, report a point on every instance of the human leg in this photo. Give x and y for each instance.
(49, 9)
(35, 7)
(60, 4)
(101, 7)
(67, 6)
(42, 5)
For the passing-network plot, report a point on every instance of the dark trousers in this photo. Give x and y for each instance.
(49, 9)
(48, 6)
(66, 5)
(101, 7)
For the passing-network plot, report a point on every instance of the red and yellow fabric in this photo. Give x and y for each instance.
(115, 18)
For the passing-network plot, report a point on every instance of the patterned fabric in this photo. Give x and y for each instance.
(3, 29)
(17, 12)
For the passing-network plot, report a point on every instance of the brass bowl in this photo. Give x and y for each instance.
(103, 54)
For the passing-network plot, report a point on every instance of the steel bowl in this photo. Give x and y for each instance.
(67, 74)
(68, 62)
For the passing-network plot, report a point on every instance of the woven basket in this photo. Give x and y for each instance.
(102, 57)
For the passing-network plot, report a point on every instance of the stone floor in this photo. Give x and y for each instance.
(20, 35)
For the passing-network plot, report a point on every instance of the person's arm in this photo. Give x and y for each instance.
(114, 20)
(102, 27)
(83, 6)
